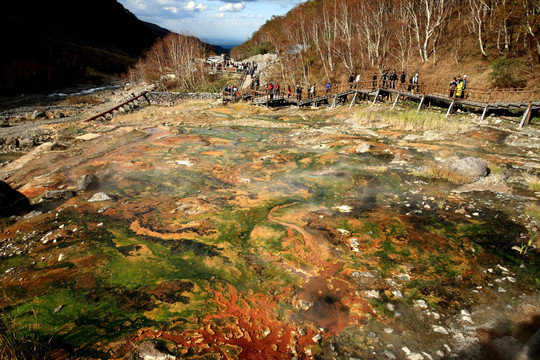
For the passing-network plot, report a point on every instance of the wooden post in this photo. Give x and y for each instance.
(395, 101)
(353, 101)
(146, 97)
(450, 108)
(484, 113)
(526, 116)
(334, 102)
(421, 103)
(376, 96)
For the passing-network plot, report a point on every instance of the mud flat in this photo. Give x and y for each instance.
(236, 231)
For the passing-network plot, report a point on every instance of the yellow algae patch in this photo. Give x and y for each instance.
(140, 251)
(139, 230)
(213, 153)
(265, 233)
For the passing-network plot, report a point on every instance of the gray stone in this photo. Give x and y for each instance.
(58, 194)
(472, 167)
(100, 196)
(26, 143)
(148, 350)
(88, 181)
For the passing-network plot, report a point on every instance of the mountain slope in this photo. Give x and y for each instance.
(440, 39)
(60, 42)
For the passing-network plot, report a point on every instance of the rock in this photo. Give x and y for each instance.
(58, 308)
(471, 167)
(4, 122)
(58, 194)
(148, 350)
(26, 143)
(390, 355)
(371, 294)
(88, 181)
(100, 196)
(421, 304)
(439, 329)
(12, 202)
(495, 183)
(362, 148)
(37, 114)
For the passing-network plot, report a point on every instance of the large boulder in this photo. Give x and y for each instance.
(88, 182)
(12, 202)
(471, 167)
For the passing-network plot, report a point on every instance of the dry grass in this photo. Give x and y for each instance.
(434, 172)
(534, 182)
(83, 99)
(412, 120)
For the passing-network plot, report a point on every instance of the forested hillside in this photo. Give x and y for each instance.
(496, 42)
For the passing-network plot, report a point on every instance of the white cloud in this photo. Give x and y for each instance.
(232, 7)
(220, 15)
(192, 6)
(171, 9)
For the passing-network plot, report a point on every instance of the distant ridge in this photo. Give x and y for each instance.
(61, 42)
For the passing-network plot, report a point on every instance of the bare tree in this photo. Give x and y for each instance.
(479, 11)
(427, 17)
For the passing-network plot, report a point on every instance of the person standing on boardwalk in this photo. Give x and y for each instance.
(402, 79)
(271, 91)
(464, 86)
(414, 83)
(327, 87)
(298, 92)
(312, 90)
(384, 79)
(289, 91)
(453, 85)
(351, 80)
(393, 78)
(459, 87)
(357, 81)
(374, 80)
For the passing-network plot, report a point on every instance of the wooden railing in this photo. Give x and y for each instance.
(522, 96)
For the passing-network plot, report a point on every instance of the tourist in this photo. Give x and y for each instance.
(289, 91)
(313, 91)
(374, 80)
(327, 88)
(357, 81)
(459, 87)
(393, 78)
(384, 79)
(414, 83)
(351, 80)
(402, 79)
(298, 92)
(453, 86)
(271, 90)
(276, 89)
(464, 86)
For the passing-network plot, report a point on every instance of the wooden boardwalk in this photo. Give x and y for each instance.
(526, 101)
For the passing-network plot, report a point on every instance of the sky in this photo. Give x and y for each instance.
(218, 22)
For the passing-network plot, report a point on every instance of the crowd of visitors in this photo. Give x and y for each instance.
(387, 80)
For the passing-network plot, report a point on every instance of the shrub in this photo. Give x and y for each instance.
(508, 73)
